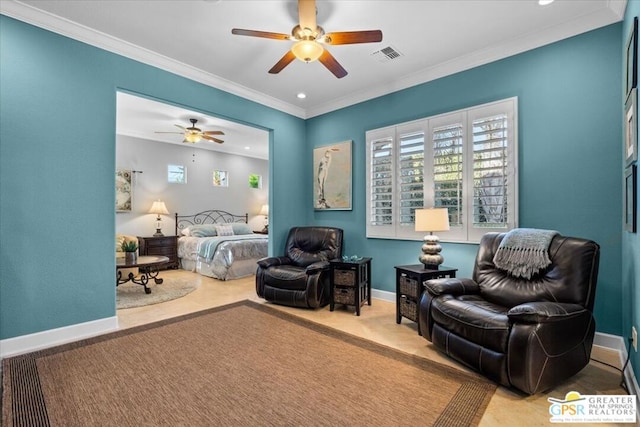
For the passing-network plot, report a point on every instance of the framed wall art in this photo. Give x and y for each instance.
(630, 200)
(123, 190)
(332, 181)
(255, 180)
(220, 178)
(631, 128)
(631, 58)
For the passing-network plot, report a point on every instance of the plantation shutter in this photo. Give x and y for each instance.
(381, 182)
(448, 171)
(490, 171)
(410, 176)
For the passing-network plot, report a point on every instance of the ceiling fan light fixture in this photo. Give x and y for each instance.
(192, 137)
(307, 50)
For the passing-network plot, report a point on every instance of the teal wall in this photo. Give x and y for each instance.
(57, 151)
(57, 163)
(569, 106)
(630, 242)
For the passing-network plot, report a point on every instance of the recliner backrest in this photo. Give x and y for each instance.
(306, 245)
(571, 277)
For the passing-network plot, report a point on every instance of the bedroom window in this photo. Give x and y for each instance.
(176, 174)
(465, 161)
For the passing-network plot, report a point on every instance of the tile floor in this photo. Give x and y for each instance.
(377, 323)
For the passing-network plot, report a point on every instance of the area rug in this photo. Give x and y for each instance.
(129, 295)
(244, 364)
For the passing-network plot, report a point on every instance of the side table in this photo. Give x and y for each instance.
(161, 246)
(409, 288)
(350, 282)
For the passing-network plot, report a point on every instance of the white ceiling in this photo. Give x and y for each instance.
(435, 37)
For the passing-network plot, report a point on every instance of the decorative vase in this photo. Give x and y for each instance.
(130, 257)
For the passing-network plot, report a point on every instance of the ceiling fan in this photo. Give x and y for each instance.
(310, 38)
(193, 134)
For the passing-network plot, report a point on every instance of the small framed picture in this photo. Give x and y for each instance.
(631, 128)
(255, 180)
(631, 59)
(220, 178)
(630, 201)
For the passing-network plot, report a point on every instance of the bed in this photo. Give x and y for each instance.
(219, 244)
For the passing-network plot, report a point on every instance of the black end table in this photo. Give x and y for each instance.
(350, 282)
(409, 288)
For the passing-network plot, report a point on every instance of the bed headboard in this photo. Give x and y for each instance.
(213, 216)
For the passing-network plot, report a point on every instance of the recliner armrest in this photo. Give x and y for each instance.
(317, 267)
(271, 261)
(545, 312)
(451, 286)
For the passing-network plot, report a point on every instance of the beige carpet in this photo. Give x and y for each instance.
(239, 365)
(129, 295)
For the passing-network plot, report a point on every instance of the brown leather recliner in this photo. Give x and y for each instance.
(300, 278)
(530, 334)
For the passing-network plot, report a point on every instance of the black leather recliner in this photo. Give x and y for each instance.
(300, 278)
(530, 334)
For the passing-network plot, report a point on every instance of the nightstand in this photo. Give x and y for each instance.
(350, 282)
(162, 246)
(409, 288)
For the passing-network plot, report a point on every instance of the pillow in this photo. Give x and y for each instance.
(185, 232)
(224, 230)
(241, 228)
(203, 230)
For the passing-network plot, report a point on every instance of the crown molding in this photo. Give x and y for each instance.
(614, 12)
(67, 28)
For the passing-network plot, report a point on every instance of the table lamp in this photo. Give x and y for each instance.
(434, 219)
(264, 210)
(158, 208)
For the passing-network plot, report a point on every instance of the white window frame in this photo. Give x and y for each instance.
(467, 233)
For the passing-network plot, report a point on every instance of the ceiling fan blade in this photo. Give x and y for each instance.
(181, 127)
(213, 132)
(332, 65)
(353, 37)
(263, 34)
(307, 14)
(178, 133)
(210, 138)
(284, 61)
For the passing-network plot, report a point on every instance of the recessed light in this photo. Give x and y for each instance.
(544, 2)
(301, 95)
(247, 148)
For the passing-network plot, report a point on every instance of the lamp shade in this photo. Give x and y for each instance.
(264, 210)
(158, 208)
(434, 219)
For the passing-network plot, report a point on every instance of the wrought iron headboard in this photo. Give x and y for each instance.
(213, 216)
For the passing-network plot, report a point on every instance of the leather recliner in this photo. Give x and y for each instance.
(530, 334)
(300, 278)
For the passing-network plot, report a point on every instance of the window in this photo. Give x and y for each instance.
(177, 174)
(465, 161)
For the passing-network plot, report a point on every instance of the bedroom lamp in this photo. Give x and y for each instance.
(434, 219)
(264, 210)
(158, 208)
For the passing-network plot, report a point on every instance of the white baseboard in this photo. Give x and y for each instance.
(616, 343)
(383, 295)
(40, 340)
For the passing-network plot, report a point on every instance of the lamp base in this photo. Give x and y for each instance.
(430, 255)
(158, 233)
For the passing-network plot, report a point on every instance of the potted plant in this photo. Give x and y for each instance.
(130, 247)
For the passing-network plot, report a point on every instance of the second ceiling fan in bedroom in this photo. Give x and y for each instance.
(192, 134)
(310, 39)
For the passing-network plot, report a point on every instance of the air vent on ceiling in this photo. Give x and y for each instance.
(386, 54)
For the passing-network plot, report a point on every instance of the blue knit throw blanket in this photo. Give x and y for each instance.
(524, 251)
